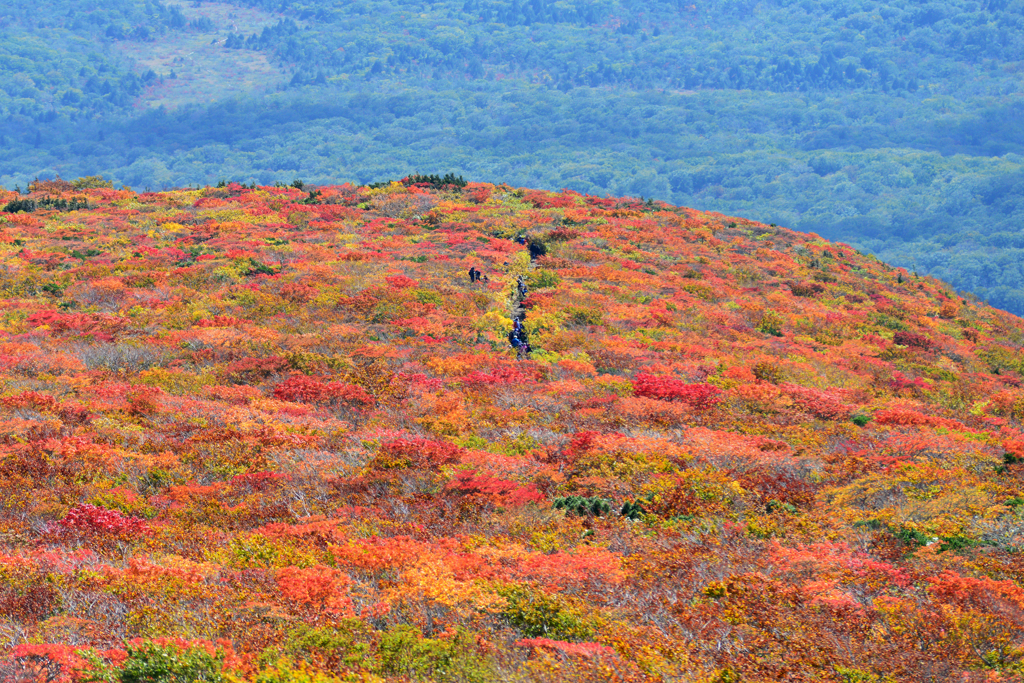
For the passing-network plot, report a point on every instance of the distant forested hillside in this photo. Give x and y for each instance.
(893, 125)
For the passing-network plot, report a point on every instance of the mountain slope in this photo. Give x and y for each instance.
(278, 429)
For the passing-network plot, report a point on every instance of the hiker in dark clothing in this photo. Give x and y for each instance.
(520, 333)
(472, 274)
(521, 287)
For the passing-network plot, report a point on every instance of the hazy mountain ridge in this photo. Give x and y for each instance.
(887, 124)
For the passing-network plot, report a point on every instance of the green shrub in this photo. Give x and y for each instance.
(538, 614)
(541, 278)
(701, 291)
(285, 671)
(726, 675)
(403, 651)
(856, 675)
(16, 205)
(770, 323)
(583, 316)
(345, 644)
(872, 524)
(582, 506)
(956, 543)
(887, 321)
(778, 506)
(860, 419)
(911, 537)
(257, 268)
(91, 182)
(632, 510)
(150, 662)
(426, 296)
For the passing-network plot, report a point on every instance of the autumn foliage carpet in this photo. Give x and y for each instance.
(269, 434)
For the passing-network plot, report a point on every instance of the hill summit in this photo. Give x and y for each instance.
(279, 433)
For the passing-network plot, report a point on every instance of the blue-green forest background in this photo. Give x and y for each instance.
(894, 125)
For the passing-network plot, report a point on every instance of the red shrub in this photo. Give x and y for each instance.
(907, 418)
(821, 404)
(144, 401)
(900, 381)
(478, 193)
(317, 588)
(304, 389)
(100, 326)
(566, 648)
(298, 293)
(499, 491)
(565, 199)
(400, 281)
(697, 396)
(979, 594)
(416, 452)
(30, 399)
(563, 234)
(258, 481)
(93, 520)
(51, 662)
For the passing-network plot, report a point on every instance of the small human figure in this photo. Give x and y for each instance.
(523, 351)
(472, 273)
(520, 334)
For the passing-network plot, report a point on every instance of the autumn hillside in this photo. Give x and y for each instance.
(269, 434)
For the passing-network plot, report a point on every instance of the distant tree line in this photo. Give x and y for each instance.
(889, 124)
